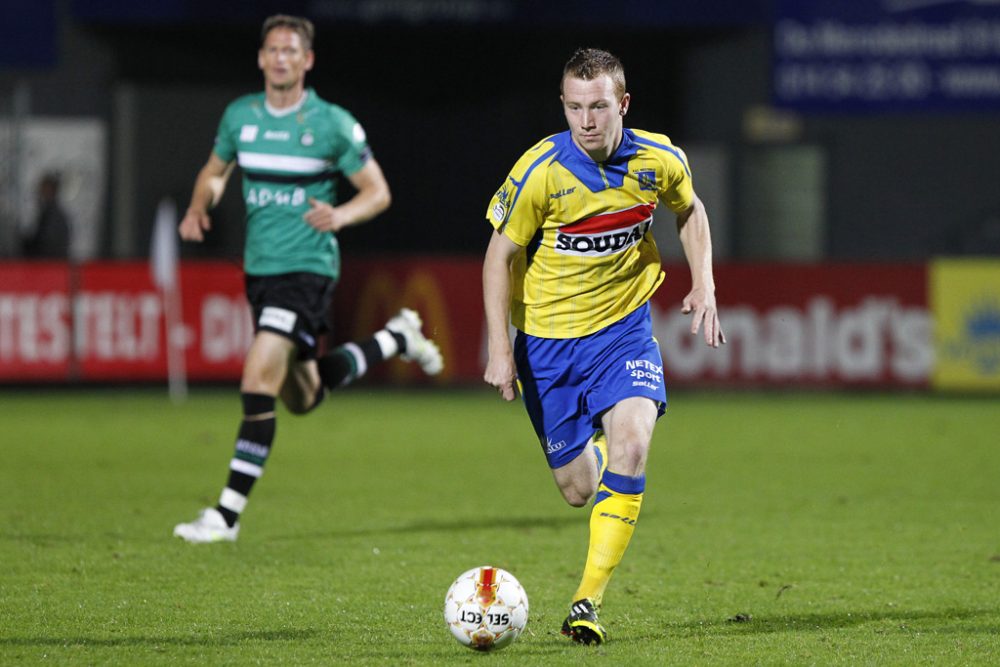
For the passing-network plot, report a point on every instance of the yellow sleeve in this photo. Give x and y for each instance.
(519, 207)
(678, 188)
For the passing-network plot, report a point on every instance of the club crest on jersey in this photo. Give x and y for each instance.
(605, 234)
(307, 139)
(646, 178)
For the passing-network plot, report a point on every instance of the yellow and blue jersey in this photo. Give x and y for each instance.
(589, 258)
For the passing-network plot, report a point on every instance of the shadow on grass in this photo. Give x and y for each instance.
(225, 639)
(43, 539)
(937, 621)
(464, 525)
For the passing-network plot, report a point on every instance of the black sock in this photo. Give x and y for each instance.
(253, 446)
(400, 341)
(351, 361)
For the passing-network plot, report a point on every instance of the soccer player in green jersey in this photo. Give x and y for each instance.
(292, 147)
(572, 264)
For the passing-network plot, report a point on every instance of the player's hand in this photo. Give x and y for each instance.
(702, 303)
(501, 373)
(194, 225)
(325, 218)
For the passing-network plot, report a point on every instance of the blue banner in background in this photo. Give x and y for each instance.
(621, 13)
(887, 55)
(28, 35)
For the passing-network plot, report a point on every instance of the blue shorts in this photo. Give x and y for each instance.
(568, 384)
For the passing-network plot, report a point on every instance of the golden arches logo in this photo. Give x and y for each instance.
(381, 297)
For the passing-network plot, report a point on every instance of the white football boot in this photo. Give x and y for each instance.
(418, 348)
(208, 527)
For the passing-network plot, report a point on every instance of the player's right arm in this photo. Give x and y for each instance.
(516, 213)
(208, 189)
(500, 369)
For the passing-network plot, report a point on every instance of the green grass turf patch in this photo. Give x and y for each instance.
(776, 529)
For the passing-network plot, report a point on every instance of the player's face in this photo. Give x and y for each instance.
(283, 60)
(594, 114)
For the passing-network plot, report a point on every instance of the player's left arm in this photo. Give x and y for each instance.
(372, 197)
(696, 239)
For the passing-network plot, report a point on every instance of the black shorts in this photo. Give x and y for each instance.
(293, 305)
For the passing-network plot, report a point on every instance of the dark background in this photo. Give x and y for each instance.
(450, 103)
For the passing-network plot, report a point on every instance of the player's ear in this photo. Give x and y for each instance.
(310, 59)
(260, 59)
(623, 104)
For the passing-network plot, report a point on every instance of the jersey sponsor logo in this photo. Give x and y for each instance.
(277, 318)
(646, 178)
(605, 234)
(644, 372)
(269, 197)
(248, 133)
(277, 135)
(562, 193)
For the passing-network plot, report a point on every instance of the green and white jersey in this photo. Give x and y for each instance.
(288, 156)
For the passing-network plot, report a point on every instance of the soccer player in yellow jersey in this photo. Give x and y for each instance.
(572, 265)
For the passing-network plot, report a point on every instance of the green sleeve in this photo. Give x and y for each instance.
(353, 144)
(225, 137)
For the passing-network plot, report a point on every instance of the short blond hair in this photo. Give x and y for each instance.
(588, 64)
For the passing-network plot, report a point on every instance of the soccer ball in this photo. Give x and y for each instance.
(486, 608)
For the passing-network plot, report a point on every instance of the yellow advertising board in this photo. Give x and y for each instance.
(965, 304)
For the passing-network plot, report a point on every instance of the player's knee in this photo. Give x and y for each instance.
(300, 400)
(260, 381)
(294, 400)
(629, 457)
(577, 495)
(297, 407)
(256, 385)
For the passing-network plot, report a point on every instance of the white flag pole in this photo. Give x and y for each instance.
(163, 259)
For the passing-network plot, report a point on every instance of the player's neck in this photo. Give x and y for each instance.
(602, 155)
(282, 98)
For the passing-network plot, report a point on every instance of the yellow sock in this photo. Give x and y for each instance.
(600, 444)
(612, 522)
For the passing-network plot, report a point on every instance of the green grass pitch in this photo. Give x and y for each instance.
(777, 528)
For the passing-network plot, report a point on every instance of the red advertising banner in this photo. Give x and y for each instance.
(105, 321)
(822, 325)
(35, 326)
(803, 324)
(447, 292)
